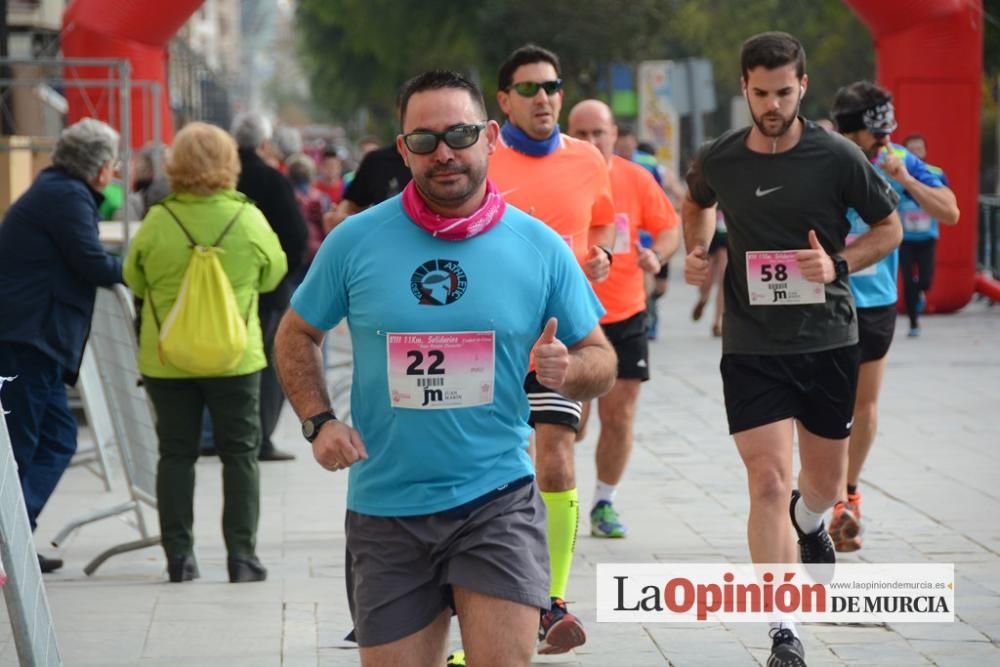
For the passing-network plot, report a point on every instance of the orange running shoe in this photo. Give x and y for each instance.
(559, 630)
(845, 526)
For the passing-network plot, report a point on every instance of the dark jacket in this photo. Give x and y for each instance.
(51, 263)
(272, 192)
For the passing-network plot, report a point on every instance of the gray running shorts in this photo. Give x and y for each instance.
(400, 570)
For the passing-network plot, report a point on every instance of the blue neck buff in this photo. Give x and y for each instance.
(522, 143)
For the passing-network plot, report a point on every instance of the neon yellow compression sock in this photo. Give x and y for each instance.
(564, 513)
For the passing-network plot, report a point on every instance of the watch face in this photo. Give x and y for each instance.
(312, 425)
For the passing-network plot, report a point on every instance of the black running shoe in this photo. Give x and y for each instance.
(786, 649)
(815, 548)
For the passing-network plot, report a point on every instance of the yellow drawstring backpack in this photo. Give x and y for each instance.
(203, 333)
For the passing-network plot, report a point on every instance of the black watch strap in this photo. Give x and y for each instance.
(610, 253)
(841, 267)
(312, 425)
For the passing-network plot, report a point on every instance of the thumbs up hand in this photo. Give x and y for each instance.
(597, 265)
(551, 357)
(696, 266)
(814, 263)
(648, 260)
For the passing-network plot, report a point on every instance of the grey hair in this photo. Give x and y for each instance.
(288, 141)
(301, 169)
(250, 130)
(84, 147)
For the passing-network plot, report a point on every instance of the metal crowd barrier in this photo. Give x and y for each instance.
(988, 254)
(20, 578)
(97, 457)
(115, 351)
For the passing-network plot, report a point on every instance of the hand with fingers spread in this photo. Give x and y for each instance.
(696, 266)
(815, 264)
(551, 357)
(597, 265)
(338, 446)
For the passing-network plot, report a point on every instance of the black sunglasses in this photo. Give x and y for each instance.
(423, 142)
(531, 88)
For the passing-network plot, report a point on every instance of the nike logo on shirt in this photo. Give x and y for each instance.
(764, 193)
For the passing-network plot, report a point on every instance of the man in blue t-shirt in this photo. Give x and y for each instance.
(864, 115)
(447, 291)
(917, 251)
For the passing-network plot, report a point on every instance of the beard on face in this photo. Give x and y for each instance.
(451, 194)
(778, 130)
(877, 145)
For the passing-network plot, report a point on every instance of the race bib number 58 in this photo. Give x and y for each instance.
(430, 371)
(774, 279)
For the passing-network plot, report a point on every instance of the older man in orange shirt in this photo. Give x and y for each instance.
(640, 203)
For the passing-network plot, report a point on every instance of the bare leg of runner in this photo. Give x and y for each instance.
(495, 631)
(767, 454)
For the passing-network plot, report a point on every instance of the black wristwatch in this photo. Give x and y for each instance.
(841, 267)
(311, 426)
(609, 253)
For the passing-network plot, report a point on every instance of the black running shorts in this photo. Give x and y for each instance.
(550, 407)
(816, 388)
(875, 329)
(631, 342)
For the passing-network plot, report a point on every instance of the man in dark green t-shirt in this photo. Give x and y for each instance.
(789, 334)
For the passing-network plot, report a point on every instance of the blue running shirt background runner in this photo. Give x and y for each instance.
(876, 285)
(382, 272)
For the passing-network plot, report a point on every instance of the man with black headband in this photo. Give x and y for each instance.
(869, 125)
(790, 355)
(864, 115)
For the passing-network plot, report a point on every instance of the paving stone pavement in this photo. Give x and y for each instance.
(931, 495)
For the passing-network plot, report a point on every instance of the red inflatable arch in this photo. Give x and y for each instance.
(136, 30)
(930, 56)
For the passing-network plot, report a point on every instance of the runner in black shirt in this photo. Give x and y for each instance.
(381, 175)
(789, 332)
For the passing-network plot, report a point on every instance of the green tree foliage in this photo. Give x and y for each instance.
(991, 34)
(990, 124)
(359, 51)
(838, 47)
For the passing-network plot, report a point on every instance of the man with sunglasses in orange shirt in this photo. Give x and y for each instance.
(563, 182)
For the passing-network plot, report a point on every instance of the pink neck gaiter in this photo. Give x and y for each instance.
(454, 229)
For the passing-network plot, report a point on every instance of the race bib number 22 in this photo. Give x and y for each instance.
(429, 371)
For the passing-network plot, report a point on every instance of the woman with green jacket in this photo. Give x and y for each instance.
(203, 168)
